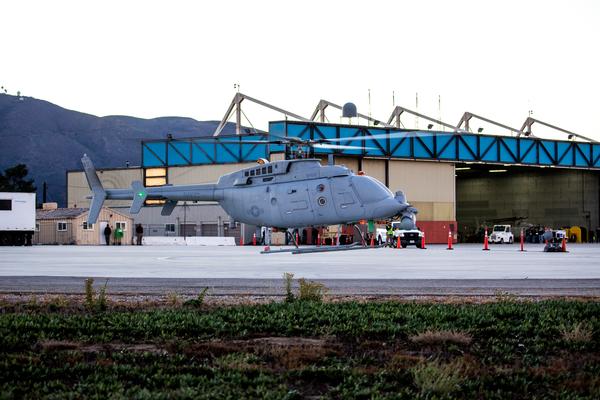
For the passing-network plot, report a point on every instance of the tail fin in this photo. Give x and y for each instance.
(139, 196)
(98, 193)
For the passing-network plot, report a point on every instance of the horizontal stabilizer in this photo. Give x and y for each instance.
(168, 208)
(139, 196)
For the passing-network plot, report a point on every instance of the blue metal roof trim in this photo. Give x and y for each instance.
(415, 145)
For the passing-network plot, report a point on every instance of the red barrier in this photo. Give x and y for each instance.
(485, 241)
(449, 241)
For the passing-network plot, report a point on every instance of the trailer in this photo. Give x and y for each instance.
(17, 218)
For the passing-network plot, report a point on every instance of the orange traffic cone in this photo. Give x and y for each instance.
(522, 241)
(564, 245)
(241, 240)
(423, 241)
(449, 241)
(398, 243)
(485, 241)
(254, 239)
(318, 239)
(372, 240)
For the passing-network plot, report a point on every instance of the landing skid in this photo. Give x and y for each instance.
(323, 249)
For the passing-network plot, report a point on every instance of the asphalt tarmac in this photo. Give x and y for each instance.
(466, 270)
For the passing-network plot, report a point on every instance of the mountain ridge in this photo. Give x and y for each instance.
(51, 139)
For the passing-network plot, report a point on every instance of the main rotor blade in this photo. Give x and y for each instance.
(339, 146)
(224, 141)
(394, 135)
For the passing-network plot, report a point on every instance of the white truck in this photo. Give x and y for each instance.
(407, 237)
(502, 234)
(17, 218)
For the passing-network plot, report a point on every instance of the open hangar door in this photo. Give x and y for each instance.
(525, 197)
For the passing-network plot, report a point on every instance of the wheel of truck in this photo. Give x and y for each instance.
(501, 240)
(510, 241)
(418, 244)
(404, 244)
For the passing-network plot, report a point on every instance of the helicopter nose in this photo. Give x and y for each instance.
(388, 208)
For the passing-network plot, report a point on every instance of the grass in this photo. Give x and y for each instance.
(430, 337)
(287, 283)
(437, 377)
(91, 303)
(198, 302)
(174, 299)
(579, 333)
(303, 349)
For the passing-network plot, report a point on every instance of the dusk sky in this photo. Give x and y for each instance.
(149, 58)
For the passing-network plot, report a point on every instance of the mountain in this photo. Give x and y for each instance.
(51, 140)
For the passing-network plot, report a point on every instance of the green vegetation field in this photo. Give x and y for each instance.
(303, 349)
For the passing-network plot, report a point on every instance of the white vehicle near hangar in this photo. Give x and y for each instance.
(17, 218)
(502, 234)
(407, 236)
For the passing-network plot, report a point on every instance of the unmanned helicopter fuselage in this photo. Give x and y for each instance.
(284, 194)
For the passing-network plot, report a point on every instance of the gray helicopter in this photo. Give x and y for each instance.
(284, 194)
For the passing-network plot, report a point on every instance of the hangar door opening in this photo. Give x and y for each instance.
(526, 197)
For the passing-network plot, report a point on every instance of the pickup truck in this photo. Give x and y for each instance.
(407, 237)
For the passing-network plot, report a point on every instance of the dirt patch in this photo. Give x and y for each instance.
(55, 345)
(280, 352)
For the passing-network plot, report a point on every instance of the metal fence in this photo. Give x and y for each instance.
(204, 228)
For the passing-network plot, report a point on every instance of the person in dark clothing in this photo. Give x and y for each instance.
(107, 232)
(139, 233)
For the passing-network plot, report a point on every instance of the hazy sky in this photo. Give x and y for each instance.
(149, 59)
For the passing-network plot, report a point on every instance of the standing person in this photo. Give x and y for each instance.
(390, 235)
(118, 235)
(107, 232)
(139, 233)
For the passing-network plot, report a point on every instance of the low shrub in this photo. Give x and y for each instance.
(310, 290)
(580, 333)
(436, 377)
(198, 302)
(430, 337)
